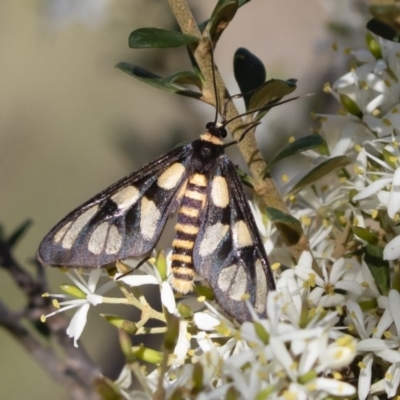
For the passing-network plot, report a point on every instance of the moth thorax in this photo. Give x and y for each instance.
(186, 230)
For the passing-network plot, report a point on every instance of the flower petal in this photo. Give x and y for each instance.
(394, 301)
(373, 188)
(364, 379)
(167, 297)
(392, 249)
(94, 277)
(138, 280)
(78, 322)
(334, 387)
(394, 197)
(205, 321)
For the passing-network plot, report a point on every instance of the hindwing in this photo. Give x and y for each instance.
(125, 220)
(229, 252)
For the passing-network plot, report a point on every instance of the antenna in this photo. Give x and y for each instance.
(254, 124)
(214, 83)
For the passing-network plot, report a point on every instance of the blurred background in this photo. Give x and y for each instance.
(71, 124)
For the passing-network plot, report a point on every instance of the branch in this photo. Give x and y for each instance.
(265, 188)
(76, 370)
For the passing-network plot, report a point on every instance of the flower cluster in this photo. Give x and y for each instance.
(333, 327)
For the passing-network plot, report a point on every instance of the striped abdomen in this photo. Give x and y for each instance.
(187, 228)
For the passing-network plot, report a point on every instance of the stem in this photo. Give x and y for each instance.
(116, 300)
(132, 300)
(265, 188)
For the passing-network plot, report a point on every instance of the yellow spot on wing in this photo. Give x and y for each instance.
(212, 238)
(241, 235)
(149, 217)
(114, 240)
(171, 176)
(219, 192)
(98, 237)
(77, 226)
(126, 197)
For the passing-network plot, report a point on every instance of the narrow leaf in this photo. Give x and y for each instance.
(271, 92)
(19, 233)
(249, 73)
(323, 169)
(298, 146)
(365, 234)
(145, 38)
(184, 78)
(386, 21)
(223, 13)
(245, 178)
(379, 268)
(156, 81)
(383, 30)
(286, 224)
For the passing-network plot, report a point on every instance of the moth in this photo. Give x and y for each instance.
(215, 233)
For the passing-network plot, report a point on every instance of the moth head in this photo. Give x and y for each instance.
(216, 129)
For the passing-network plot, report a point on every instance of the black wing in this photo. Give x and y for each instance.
(228, 251)
(125, 220)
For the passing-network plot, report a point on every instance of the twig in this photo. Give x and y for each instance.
(265, 188)
(75, 370)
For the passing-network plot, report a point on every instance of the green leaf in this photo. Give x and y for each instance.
(386, 21)
(379, 267)
(204, 291)
(245, 178)
(321, 170)
(184, 78)
(167, 84)
(145, 38)
(243, 2)
(261, 332)
(365, 234)
(161, 264)
(383, 30)
(289, 226)
(223, 13)
(185, 311)
(373, 46)
(15, 237)
(249, 73)
(296, 147)
(271, 92)
(350, 105)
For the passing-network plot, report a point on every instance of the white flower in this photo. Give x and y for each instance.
(324, 289)
(148, 275)
(389, 177)
(374, 345)
(87, 295)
